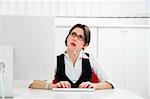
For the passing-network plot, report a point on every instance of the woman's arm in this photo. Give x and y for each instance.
(106, 81)
(104, 85)
(39, 84)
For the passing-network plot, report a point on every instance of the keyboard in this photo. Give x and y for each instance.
(73, 89)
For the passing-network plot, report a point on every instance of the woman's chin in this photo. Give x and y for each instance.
(72, 48)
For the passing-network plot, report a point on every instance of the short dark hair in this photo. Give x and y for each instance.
(86, 30)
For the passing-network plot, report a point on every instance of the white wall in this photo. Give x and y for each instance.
(90, 8)
(33, 42)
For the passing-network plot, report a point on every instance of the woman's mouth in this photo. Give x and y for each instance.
(73, 44)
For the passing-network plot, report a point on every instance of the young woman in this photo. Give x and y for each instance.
(74, 67)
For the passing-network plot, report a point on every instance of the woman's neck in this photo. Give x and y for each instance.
(73, 54)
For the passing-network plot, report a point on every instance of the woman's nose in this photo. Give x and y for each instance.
(75, 38)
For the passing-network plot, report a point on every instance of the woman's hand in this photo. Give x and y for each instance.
(63, 84)
(102, 85)
(88, 85)
(38, 84)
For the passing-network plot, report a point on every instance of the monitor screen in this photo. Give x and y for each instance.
(33, 40)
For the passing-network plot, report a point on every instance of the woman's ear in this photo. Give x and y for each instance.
(85, 46)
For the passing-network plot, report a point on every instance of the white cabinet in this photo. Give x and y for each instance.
(136, 61)
(124, 52)
(111, 53)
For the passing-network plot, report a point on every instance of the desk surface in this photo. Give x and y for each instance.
(22, 93)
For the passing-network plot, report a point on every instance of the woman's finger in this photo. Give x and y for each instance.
(58, 85)
(86, 85)
(90, 86)
(81, 85)
(62, 84)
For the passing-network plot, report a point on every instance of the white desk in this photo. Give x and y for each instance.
(21, 93)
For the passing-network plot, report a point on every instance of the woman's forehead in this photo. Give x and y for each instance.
(78, 30)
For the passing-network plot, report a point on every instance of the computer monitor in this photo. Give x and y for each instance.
(33, 41)
(32, 38)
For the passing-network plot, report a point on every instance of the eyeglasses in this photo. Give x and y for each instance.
(79, 37)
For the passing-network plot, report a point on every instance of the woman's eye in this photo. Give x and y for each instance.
(73, 34)
(81, 37)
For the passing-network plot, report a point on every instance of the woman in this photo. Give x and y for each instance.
(74, 67)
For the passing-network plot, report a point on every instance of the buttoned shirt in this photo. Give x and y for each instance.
(73, 71)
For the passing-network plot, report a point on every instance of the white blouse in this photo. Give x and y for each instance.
(73, 72)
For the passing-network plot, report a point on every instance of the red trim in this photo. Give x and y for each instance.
(95, 78)
(54, 81)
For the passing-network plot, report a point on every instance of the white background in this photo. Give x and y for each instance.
(124, 48)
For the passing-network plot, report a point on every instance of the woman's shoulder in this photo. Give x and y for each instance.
(59, 56)
(62, 54)
(90, 56)
(87, 55)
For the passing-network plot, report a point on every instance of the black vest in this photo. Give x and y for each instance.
(86, 74)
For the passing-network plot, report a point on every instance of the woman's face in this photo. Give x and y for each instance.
(76, 39)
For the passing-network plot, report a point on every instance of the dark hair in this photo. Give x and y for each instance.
(86, 30)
